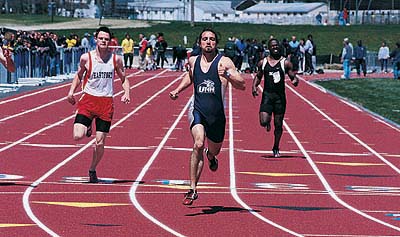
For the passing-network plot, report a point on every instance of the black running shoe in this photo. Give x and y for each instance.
(213, 163)
(276, 153)
(190, 197)
(93, 177)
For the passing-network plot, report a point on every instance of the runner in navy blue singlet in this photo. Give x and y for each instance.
(209, 73)
(273, 69)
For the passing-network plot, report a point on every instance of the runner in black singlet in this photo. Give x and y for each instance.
(209, 73)
(273, 69)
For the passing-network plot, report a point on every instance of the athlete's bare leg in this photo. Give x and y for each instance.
(98, 150)
(196, 158)
(213, 149)
(79, 131)
(278, 124)
(265, 120)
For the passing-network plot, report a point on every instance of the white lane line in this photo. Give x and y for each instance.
(67, 118)
(36, 183)
(233, 175)
(33, 93)
(328, 188)
(397, 170)
(42, 106)
(135, 185)
(325, 183)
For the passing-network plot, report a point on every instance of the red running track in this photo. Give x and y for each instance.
(338, 174)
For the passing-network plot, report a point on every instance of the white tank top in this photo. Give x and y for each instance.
(100, 77)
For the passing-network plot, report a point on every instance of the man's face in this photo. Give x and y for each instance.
(208, 41)
(103, 39)
(274, 47)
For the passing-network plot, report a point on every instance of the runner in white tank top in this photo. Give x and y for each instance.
(98, 66)
(100, 82)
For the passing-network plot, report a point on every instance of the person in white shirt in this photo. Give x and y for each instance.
(383, 56)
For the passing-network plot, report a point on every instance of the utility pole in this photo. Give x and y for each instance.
(192, 13)
(356, 12)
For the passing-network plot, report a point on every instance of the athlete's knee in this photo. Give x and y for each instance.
(198, 145)
(77, 137)
(264, 123)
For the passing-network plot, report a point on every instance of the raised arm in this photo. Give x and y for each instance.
(78, 78)
(227, 69)
(119, 68)
(186, 81)
(257, 78)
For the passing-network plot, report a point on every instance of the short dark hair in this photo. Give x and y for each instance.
(210, 30)
(104, 29)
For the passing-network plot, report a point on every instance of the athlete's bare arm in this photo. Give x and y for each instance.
(119, 68)
(6, 60)
(292, 75)
(227, 70)
(82, 68)
(186, 81)
(257, 78)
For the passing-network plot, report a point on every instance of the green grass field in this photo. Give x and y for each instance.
(380, 96)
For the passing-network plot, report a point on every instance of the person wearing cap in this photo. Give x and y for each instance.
(347, 54)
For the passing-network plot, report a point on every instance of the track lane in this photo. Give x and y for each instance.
(295, 191)
(126, 153)
(41, 166)
(342, 171)
(215, 204)
(123, 206)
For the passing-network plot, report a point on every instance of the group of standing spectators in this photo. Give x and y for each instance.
(358, 55)
(301, 53)
(43, 50)
(151, 51)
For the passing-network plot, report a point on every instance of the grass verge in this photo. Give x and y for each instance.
(380, 96)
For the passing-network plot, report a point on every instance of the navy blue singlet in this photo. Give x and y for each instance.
(208, 95)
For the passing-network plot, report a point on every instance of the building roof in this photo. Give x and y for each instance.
(240, 5)
(156, 4)
(205, 6)
(215, 6)
(284, 7)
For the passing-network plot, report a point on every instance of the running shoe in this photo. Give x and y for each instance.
(213, 163)
(93, 177)
(89, 131)
(190, 197)
(276, 153)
